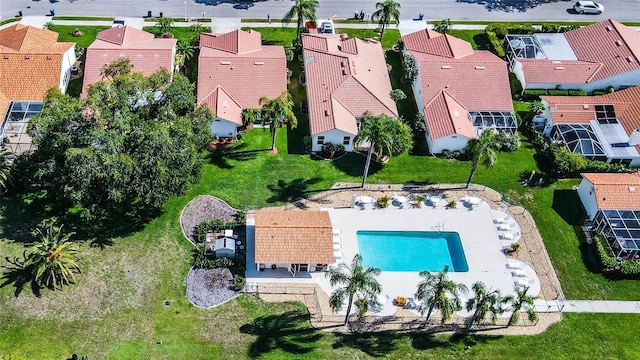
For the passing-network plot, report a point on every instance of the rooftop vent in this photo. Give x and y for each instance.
(353, 63)
(340, 47)
(632, 189)
(585, 107)
(479, 67)
(608, 28)
(326, 112)
(456, 114)
(27, 57)
(344, 71)
(225, 62)
(445, 67)
(6, 57)
(258, 63)
(224, 103)
(618, 42)
(559, 67)
(49, 57)
(556, 62)
(343, 64)
(629, 59)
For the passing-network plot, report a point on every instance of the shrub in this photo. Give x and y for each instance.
(306, 143)
(507, 142)
(610, 89)
(516, 86)
(397, 95)
(340, 150)
(536, 137)
(328, 150)
(410, 69)
(220, 277)
(558, 92)
(577, 92)
(630, 267)
(238, 282)
(289, 73)
(599, 92)
(447, 154)
(605, 255)
(565, 163)
(419, 199)
(496, 44)
(551, 28)
(499, 29)
(515, 247)
(534, 94)
(456, 154)
(289, 54)
(383, 201)
(452, 204)
(518, 28)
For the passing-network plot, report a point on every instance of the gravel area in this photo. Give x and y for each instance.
(203, 292)
(204, 208)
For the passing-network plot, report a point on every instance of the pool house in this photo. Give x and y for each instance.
(292, 241)
(612, 204)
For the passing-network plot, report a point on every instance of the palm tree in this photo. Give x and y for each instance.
(196, 29)
(185, 51)
(301, 10)
(484, 301)
(482, 150)
(385, 12)
(53, 258)
(443, 26)
(356, 279)
(438, 291)
(164, 24)
(6, 177)
(276, 111)
(386, 137)
(518, 302)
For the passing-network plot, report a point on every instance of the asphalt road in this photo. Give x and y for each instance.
(553, 10)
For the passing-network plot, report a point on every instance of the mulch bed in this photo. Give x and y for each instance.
(203, 292)
(204, 208)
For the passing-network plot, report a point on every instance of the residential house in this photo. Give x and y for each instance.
(147, 54)
(590, 58)
(234, 72)
(33, 61)
(345, 78)
(298, 241)
(612, 204)
(460, 91)
(605, 128)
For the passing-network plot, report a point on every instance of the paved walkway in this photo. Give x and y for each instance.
(601, 306)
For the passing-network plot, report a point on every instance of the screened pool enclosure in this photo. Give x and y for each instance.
(621, 228)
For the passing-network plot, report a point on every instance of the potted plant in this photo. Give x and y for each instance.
(401, 301)
(383, 201)
(452, 204)
(419, 199)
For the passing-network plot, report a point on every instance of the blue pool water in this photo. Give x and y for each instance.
(412, 251)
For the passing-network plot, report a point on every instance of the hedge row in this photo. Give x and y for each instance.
(496, 44)
(534, 94)
(605, 255)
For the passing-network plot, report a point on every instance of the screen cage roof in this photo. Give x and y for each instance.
(500, 120)
(14, 126)
(625, 224)
(524, 46)
(579, 139)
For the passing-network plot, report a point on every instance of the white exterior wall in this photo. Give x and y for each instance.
(451, 143)
(223, 128)
(631, 78)
(335, 137)
(517, 70)
(635, 163)
(588, 198)
(68, 59)
(547, 115)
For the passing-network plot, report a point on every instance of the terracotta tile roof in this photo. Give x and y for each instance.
(345, 78)
(559, 72)
(146, 53)
(431, 42)
(580, 109)
(222, 105)
(616, 191)
(293, 237)
(30, 63)
(445, 116)
(244, 68)
(457, 80)
(615, 46)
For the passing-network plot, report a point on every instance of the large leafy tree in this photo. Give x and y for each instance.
(482, 150)
(518, 302)
(356, 280)
(301, 10)
(385, 136)
(132, 143)
(386, 11)
(440, 292)
(53, 258)
(276, 111)
(485, 301)
(120, 66)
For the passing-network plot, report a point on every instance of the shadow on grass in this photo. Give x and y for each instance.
(221, 157)
(290, 191)
(352, 164)
(288, 332)
(372, 344)
(19, 276)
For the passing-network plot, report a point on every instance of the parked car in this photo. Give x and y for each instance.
(117, 23)
(588, 7)
(326, 27)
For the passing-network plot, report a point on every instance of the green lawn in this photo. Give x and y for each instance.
(117, 311)
(89, 34)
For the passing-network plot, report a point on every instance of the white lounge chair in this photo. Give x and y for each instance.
(411, 304)
(337, 247)
(337, 232)
(336, 240)
(518, 273)
(521, 283)
(506, 236)
(514, 265)
(504, 227)
(228, 233)
(502, 219)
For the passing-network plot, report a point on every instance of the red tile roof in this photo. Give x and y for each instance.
(242, 66)
(223, 105)
(146, 53)
(616, 191)
(558, 72)
(293, 237)
(345, 78)
(30, 63)
(472, 81)
(580, 109)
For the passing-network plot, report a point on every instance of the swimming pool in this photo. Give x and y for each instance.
(412, 251)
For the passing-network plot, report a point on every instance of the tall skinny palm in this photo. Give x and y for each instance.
(521, 301)
(482, 150)
(302, 10)
(438, 291)
(484, 302)
(385, 12)
(53, 259)
(185, 51)
(5, 170)
(357, 280)
(276, 112)
(386, 137)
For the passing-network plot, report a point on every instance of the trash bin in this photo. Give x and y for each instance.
(20, 13)
(160, 14)
(52, 12)
(420, 16)
(149, 14)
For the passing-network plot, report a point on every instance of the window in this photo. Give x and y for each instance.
(625, 162)
(346, 140)
(605, 114)
(320, 140)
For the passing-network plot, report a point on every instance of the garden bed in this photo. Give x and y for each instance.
(205, 293)
(204, 208)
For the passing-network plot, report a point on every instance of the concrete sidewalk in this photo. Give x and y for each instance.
(601, 306)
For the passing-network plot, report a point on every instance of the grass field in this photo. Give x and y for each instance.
(117, 308)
